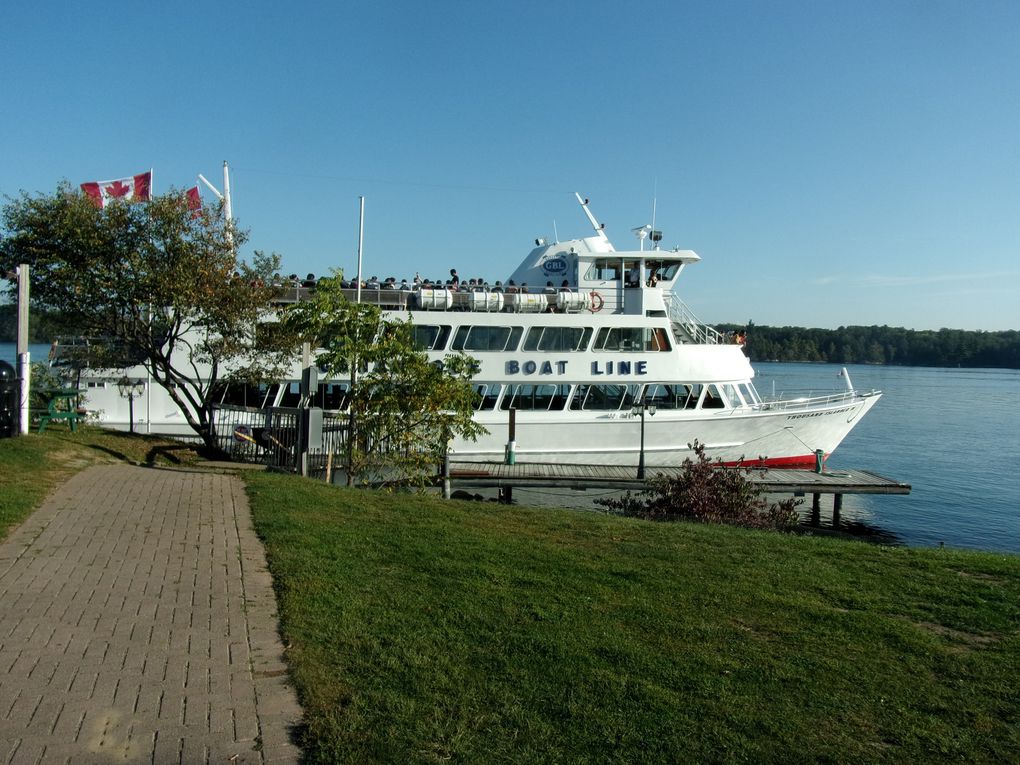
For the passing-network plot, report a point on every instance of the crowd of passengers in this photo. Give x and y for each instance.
(454, 284)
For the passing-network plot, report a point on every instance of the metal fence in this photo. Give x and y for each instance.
(273, 436)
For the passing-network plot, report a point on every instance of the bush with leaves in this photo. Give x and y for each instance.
(402, 409)
(706, 492)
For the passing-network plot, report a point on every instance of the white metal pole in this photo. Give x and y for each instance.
(227, 210)
(361, 241)
(24, 357)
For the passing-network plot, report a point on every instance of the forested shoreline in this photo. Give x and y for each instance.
(845, 345)
(883, 345)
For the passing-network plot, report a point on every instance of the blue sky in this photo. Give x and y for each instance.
(833, 164)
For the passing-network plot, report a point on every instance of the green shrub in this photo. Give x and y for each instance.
(707, 492)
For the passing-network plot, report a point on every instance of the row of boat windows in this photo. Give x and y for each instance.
(524, 397)
(612, 397)
(554, 339)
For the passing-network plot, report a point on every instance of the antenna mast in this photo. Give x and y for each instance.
(600, 228)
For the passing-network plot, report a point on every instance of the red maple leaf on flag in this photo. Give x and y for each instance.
(118, 189)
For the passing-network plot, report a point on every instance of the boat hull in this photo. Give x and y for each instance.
(774, 438)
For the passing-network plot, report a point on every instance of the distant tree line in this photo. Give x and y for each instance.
(883, 345)
(43, 326)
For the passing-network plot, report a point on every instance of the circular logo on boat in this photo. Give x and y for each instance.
(555, 266)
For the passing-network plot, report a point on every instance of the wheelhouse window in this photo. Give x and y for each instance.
(604, 397)
(529, 398)
(485, 338)
(431, 337)
(632, 339)
(665, 270)
(603, 269)
(557, 339)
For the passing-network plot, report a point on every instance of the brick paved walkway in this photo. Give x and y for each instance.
(138, 624)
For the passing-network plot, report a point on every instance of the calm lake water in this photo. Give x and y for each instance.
(37, 351)
(952, 434)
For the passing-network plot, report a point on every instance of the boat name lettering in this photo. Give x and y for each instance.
(619, 367)
(535, 367)
(818, 414)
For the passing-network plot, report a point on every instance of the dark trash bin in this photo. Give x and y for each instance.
(8, 401)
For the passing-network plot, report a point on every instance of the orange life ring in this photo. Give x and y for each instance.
(596, 302)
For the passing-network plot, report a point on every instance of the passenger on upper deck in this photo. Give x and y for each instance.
(549, 289)
(565, 287)
(498, 287)
(511, 287)
(454, 279)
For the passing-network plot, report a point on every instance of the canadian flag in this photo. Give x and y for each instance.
(194, 200)
(137, 188)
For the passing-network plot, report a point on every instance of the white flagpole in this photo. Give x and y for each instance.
(24, 356)
(227, 210)
(361, 240)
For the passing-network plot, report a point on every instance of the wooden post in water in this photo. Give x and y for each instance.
(837, 506)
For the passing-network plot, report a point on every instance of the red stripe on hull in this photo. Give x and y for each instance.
(803, 461)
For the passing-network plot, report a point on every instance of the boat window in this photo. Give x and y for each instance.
(731, 395)
(333, 395)
(431, 337)
(487, 338)
(557, 339)
(291, 394)
(665, 270)
(245, 394)
(632, 339)
(693, 394)
(536, 397)
(672, 396)
(749, 393)
(713, 398)
(488, 394)
(604, 397)
(603, 269)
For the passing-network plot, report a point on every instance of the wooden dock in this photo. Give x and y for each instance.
(494, 475)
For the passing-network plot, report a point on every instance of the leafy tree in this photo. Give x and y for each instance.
(156, 284)
(402, 409)
(706, 492)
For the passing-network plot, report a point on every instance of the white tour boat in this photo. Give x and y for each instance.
(596, 356)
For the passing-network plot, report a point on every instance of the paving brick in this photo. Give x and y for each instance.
(124, 628)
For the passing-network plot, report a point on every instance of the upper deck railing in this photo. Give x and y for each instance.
(686, 323)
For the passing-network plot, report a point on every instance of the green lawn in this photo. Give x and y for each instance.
(32, 466)
(428, 631)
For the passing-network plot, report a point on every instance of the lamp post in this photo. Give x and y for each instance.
(130, 389)
(640, 408)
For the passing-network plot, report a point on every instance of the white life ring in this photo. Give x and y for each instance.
(596, 302)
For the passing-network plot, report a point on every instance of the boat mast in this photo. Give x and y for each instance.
(224, 198)
(600, 228)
